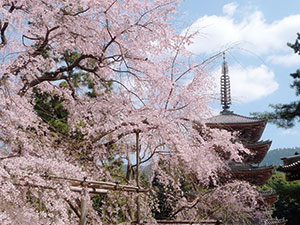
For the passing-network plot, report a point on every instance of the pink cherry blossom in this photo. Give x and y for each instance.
(157, 91)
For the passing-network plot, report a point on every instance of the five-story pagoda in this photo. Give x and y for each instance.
(249, 130)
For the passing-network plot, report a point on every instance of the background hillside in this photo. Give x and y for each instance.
(273, 156)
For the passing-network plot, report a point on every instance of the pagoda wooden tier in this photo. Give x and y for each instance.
(259, 150)
(254, 175)
(183, 222)
(270, 197)
(275, 222)
(250, 129)
(291, 167)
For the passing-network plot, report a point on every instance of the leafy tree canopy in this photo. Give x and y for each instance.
(286, 115)
(288, 204)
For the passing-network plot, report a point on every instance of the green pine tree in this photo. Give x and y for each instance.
(288, 204)
(286, 115)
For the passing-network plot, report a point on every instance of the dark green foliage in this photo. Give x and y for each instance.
(99, 201)
(77, 76)
(117, 200)
(286, 115)
(81, 76)
(288, 203)
(165, 209)
(114, 167)
(50, 109)
(166, 195)
(296, 45)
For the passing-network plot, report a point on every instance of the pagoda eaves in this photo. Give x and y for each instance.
(250, 129)
(291, 167)
(270, 197)
(258, 151)
(275, 221)
(252, 174)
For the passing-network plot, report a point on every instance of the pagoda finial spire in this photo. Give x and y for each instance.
(225, 87)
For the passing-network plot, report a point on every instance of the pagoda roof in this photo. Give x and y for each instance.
(250, 129)
(259, 150)
(276, 221)
(181, 222)
(268, 192)
(254, 175)
(232, 118)
(247, 167)
(291, 167)
(258, 144)
(270, 197)
(290, 160)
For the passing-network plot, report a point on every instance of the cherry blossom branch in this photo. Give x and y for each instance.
(179, 108)
(153, 9)
(42, 46)
(68, 79)
(152, 154)
(29, 38)
(39, 80)
(186, 72)
(114, 37)
(109, 7)
(110, 143)
(10, 156)
(77, 13)
(73, 207)
(2, 30)
(172, 71)
(126, 71)
(176, 55)
(5, 25)
(200, 64)
(186, 207)
(215, 210)
(56, 75)
(131, 92)
(173, 64)
(194, 204)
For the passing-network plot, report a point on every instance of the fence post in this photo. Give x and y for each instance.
(137, 177)
(83, 203)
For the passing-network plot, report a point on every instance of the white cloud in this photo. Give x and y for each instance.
(246, 30)
(252, 32)
(250, 83)
(287, 60)
(229, 9)
(291, 132)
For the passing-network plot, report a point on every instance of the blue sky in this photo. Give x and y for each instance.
(256, 33)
